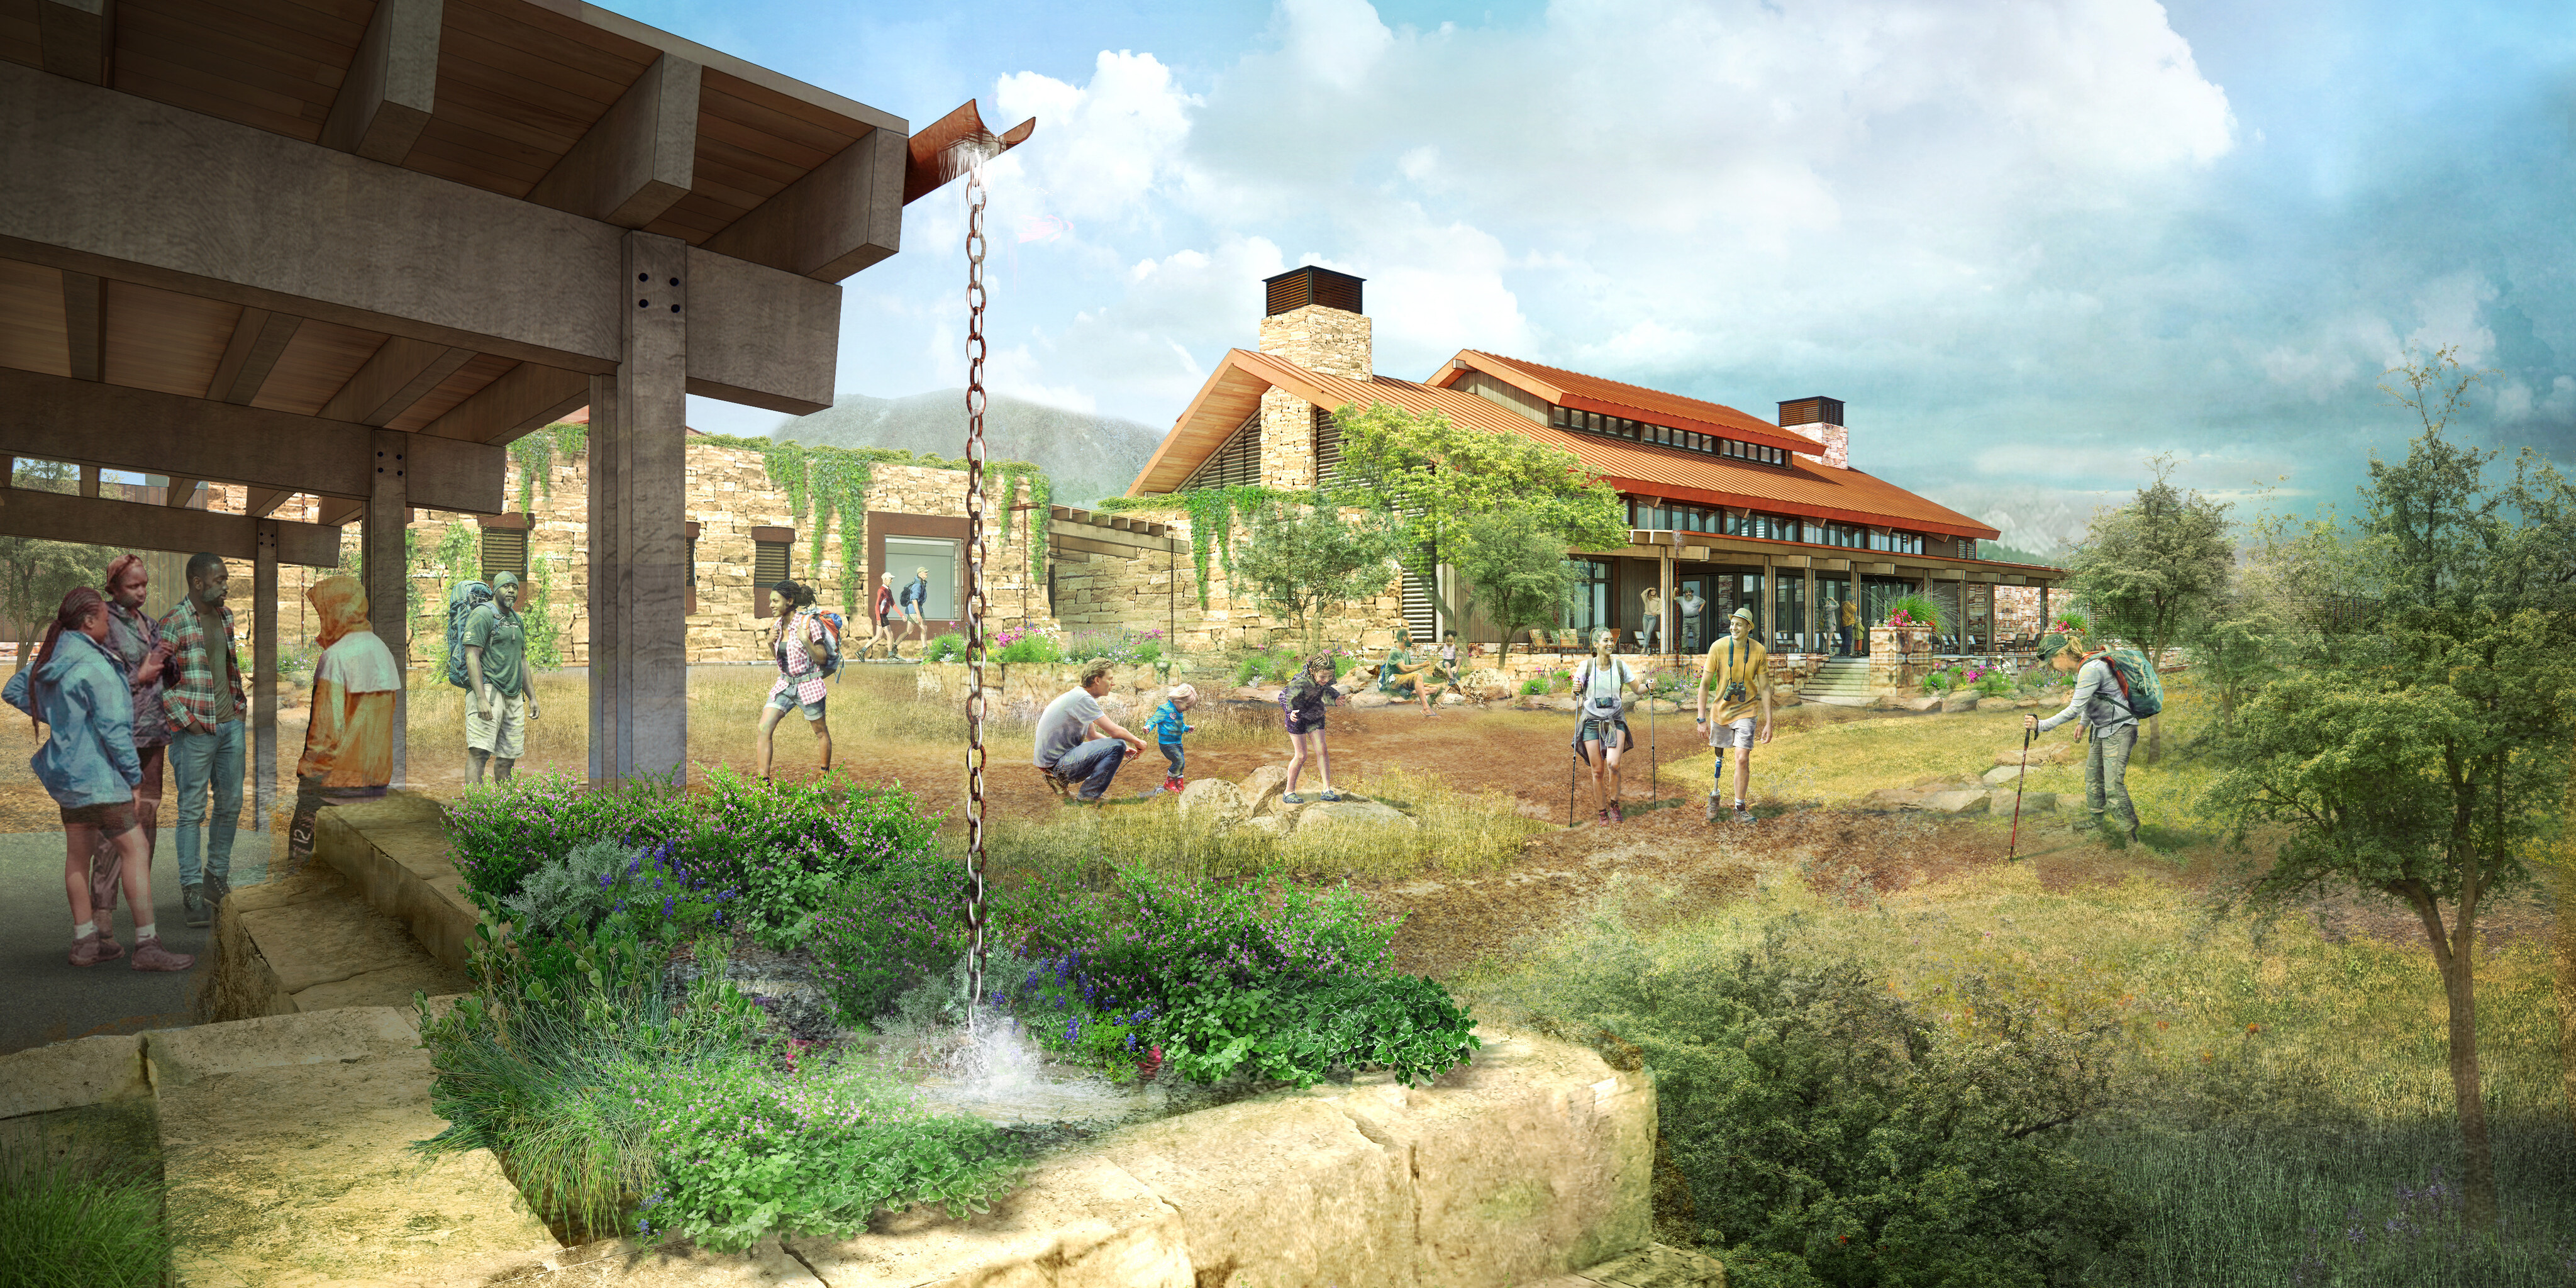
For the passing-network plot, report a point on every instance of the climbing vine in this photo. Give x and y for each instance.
(1212, 512)
(535, 454)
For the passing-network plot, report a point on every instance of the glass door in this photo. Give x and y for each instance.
(1695, 608)
(1831, 592)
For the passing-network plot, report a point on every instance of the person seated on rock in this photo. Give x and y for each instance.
(1077, 743)
(1168, 726)
(79, 693)
(1448, 671)
(1302, 705)
(1402, 675)
(349, 730)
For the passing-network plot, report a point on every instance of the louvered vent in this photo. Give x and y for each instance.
(1297, 288)
(1237, 463)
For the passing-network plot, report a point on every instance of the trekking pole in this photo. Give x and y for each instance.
(2012, 849)
(1569, 786)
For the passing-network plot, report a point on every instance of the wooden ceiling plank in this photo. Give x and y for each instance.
(276, 331)
(31, 318)
(480, 370)
(394, 365)
(343, 24)
(515, 117)
(472, 174)
(515, 46)
(20, 39)
(526, 396)
(85, 326)
(763, 143)
(77, 39)
(313, 368)
(160, 340)
(639, 159)
(219, 53)
(511, 175)
(264, 501)
(225, 108)
(245, 335)
(769, 100)
(748, 105)
(256, 87)
(257, 40)
(506, 71)
(454, 136)
(747, 166)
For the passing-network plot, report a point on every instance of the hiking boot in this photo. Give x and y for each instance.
(1712, 807)
(150, 955)
(1331, 795)
(1743, 815)
(1615, 816)
(1602, 816)
(92, 948)
(1291, 798)
(193, 909)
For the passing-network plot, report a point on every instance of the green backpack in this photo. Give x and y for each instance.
(2140, 690)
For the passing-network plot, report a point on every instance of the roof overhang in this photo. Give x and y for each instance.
(1230, 396)
(1466, 360)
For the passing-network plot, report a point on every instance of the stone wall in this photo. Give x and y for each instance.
(1158, 592)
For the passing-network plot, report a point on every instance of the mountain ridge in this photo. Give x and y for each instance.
(1086, 456)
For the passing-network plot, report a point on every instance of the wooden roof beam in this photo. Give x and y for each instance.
(844, 215)
(85, 324)
(265, 500)
(56, 418)
(385, 100)
(78, 38)
(401, 373)
(525, 397)
(640, 158)
(94, 521)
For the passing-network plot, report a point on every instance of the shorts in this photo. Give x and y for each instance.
(1305, 724)
(112, 819)
(786, 700)
(1602, 729)
(504, 733)
(1736, 734)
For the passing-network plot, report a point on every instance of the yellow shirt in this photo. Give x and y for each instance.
(1731, 661)
(1851, 615)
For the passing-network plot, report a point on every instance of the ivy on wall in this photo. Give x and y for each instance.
(535, 454)
(1212, 512)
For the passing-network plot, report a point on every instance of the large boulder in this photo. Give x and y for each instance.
(1960, 701)
(1370, 698)
(1261, 788)
(1215, 802)
(1274, 826)
(1453, 699)
(1957, 802)
(2002, 776)
(1928, 702)
(1486, 684)
(1356, 822)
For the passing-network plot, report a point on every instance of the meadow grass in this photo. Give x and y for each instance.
(66, 1223)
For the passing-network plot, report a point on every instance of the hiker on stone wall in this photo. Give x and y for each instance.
(2096, 706)
(1301, 704)
(349, 729)
(1078, 745)
(82, 696)
(799, 647)
(1601, 736)
(496, 676)
(1739, 669)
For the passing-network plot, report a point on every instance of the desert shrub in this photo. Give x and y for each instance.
(664, 900)
(888, 931)
(1533, 686)
(67, 1225)
(1030, 649)
(499, 833)
(950, 647)
(1825, 1129)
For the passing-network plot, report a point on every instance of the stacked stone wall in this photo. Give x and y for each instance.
(1160, 592)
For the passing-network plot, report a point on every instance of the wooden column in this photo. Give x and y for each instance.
(639, 583)
(1664, 629)
(263, 665)
(1811, 607)
(388, 576)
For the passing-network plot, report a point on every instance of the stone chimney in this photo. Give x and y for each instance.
(1311, 317)
(1819, 419)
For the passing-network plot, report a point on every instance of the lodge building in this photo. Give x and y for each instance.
(1722, 505)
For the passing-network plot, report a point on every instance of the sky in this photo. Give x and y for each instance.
(2030, 243)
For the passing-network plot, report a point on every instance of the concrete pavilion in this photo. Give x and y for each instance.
(350, 248)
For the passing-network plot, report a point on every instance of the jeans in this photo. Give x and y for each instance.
(203, 761)
(1092, 764)
(1846, 633)
(2106, 772)
(1646, 637)
(1172, 756)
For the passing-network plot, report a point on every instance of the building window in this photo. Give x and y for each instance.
(1589, 606)
(769, 566)
(942, 559)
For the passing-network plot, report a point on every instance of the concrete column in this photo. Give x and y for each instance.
(263, 664)
(640, 579)
(1810, 627)
(604, 605)
(388, 575)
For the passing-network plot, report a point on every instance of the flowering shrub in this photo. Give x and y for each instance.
(1989, 681)
(1121, 646)
(1016, 646)
(950, 647)
(662, 899)
(888, 931)
(502, 832)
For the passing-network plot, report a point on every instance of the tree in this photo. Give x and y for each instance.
(2149, 569)
(1516, 569)
(2423, 754)
(1305, 559)
(35, 574)
(1441, 476)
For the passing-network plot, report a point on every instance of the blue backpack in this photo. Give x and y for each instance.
(462, 600)
(2141, 691)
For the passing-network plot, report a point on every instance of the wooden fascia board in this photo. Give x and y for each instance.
(1163, 452)
(1740, 501)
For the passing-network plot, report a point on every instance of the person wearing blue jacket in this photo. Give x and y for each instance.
(78, 691)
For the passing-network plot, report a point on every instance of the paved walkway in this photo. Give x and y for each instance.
(49, 1000)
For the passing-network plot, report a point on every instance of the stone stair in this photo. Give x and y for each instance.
(1842, 682)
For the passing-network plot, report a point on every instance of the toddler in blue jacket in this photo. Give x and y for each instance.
(1168, 728)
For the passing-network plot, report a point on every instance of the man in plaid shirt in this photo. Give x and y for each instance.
(205, 704)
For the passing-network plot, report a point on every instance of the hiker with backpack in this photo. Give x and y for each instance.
(495, 647)
(808, 651)
(2114, 689)
(1602, 734)
(914, 604)
(883, 618)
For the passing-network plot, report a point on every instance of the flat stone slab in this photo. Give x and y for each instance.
(298, 1172)
(67, 1075)
(1079, 1222)
(1653, 1266)
(322, 941)
(179, 1057)
(1958, 802)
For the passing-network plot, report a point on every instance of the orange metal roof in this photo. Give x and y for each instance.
(1805, 488)
(1611, 398)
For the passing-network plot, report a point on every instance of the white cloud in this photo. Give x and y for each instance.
(1336, 42)
(2447, 310)
(1101, 148)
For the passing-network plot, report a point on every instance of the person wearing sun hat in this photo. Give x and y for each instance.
(2096, 706)
(1739, 668)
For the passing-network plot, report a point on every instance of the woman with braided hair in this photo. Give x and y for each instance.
(799, 646)
(79, 692)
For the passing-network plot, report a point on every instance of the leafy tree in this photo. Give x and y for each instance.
(2422, 753)
(35, 573)
(1515, 569)
(2151, 568)
(1305, 559)
(1441, 476)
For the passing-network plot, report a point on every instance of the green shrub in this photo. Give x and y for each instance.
(69, 1226)
(499, 833)
(1824, 1129)
(1534, 686)
(663, 900)
(950, 647)
(1994, 684)
(887, 931)
(1032, 649)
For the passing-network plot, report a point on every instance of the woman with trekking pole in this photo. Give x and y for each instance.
(1602, 733)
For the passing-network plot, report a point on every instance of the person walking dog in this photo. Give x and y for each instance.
(205, 705)
(1602, 734)
(84, 699)
(2095, 705)
(1739, 668)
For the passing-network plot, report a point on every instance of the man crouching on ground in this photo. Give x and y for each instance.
(1077, 743)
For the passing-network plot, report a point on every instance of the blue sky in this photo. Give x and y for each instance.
(2029, 244)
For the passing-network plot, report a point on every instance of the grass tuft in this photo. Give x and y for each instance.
(68, 1225)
